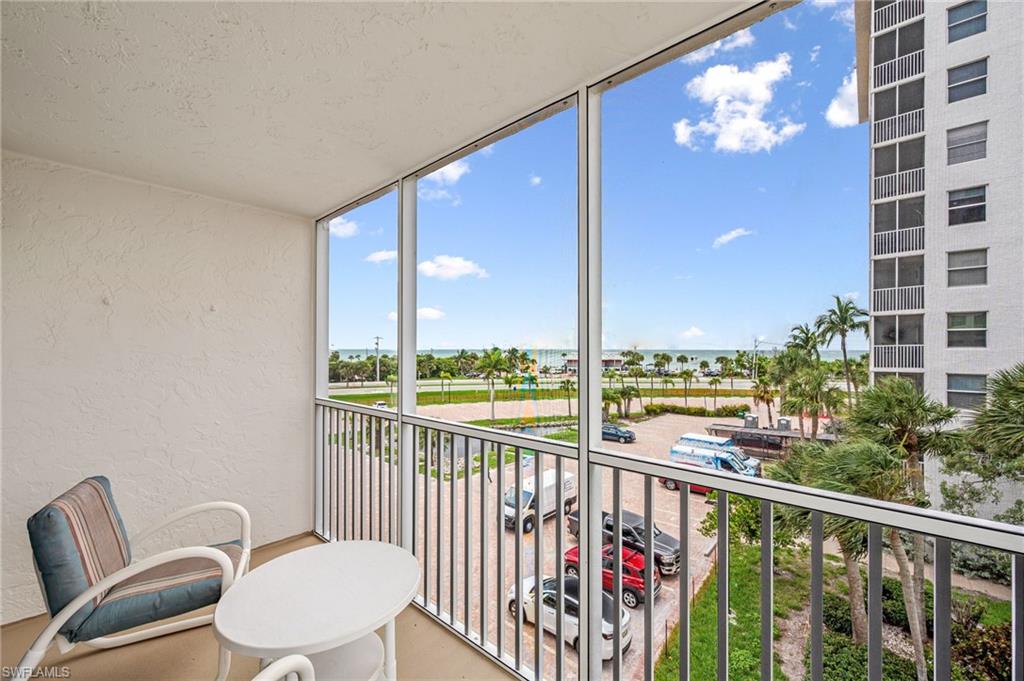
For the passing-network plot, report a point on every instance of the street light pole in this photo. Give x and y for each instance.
(376, 347)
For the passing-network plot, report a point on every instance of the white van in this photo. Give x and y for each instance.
(715, 459)
(549, 492)
(720, 443)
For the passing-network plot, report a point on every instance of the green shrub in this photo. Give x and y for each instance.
(836, 613)
(726, 410)
(844, 660)
(982, 563)
(894, 611)
(734, 410)
(984, 653)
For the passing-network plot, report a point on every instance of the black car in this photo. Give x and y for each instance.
(610, 431)
(666, 547)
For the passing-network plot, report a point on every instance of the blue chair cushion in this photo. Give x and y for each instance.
(77, 540)
(163, 591)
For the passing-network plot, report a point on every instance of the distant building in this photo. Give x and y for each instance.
(608, 361)
(941, 84)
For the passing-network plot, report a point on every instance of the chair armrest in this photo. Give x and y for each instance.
(292, 664)
(205, 552)
(237, 509)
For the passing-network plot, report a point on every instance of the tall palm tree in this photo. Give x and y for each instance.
(665, 383)
(687, 375)
(998, 424)
(491, 365)
(809, 392)
(704, 365)
(806, 340)
(628, 393)
(568, 386)
(682, 359)
(445, 376)
(841, 320)
(610, 396)
(714, 382)
(897, 415)
(782, 369)
(463, 361)
(763, 392)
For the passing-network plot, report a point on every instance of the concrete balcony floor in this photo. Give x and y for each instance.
(426, 650)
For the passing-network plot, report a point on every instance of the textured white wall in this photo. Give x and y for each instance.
(160, 338)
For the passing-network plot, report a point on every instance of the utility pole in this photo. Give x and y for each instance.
(755, 359)
(376, 347)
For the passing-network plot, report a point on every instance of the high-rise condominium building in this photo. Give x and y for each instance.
(942, 85)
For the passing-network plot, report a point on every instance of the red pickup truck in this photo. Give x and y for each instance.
(632, 573)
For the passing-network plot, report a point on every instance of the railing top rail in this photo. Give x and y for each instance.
(491, 435)
(927, 521)
(357, 408)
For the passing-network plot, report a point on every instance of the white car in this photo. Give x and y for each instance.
(570, 617)
(380, 404)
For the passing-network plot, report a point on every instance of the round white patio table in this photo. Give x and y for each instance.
(325, 602)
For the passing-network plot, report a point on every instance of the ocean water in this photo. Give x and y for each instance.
(553, 357)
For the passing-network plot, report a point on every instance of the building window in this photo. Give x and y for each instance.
(967, 143)
(900, 99)
(967, 205)
(968, 268)
(969, 80)
(907, 155)
(967, 19)
(966, 329)
(902, 214)
(900, 42)
(965, 391)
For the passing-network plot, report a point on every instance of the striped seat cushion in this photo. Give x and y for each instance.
(163, 591)
(77, 540)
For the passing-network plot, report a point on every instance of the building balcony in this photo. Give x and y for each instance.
(897, 184)
(901, 68)
(895, 127)
(898, 241)
(898, 357)
(897, 299)
(896, 13)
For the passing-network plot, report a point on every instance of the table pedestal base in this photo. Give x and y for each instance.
(360, 660)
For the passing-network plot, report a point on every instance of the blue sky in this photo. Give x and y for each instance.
(734, 197)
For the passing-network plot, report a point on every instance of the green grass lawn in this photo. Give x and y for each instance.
(429, 397)
(492, 463)
(568, 435)
(525, 422)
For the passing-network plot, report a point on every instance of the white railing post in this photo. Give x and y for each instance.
(588, 303)
(406, 353)
(321, 350)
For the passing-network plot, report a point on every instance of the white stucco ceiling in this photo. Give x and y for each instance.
(299, 107)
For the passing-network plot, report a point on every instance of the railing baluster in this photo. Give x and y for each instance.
(452, 511)
(767, 586)
(538, 564)
(345, 495)
(336, 477)
(649, 568)
(395, 493)
(559, 567)
(500, 507)
(817, 593)
(723, 586)
(439, 457)
(380, 479)
(684, 581)
(325, 429)
(943, 593)
(484, 549)
(369, 489)
(617, 571)
(1017, 615)
(467, 531)
(362, 474)
(520, 610)
(415, 455)
(426, 518)
(874, 602)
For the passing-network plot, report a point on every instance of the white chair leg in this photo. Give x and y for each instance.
(30, 661)
(152, 632)
(223, 664)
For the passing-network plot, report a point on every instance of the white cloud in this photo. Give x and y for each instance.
(789, 25)
(342, 228)
(852, 295)
(381, 256)
(535, 180)
(740, 100)
(488, 150)
(731, 235)
(692, 332)
(450, 174)
(425, 313)
(842, 10)
(842, 110)
(815, 51)
(451, 267)
(433, 194)
(741, 38)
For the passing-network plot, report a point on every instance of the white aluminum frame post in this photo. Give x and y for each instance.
(407, 354)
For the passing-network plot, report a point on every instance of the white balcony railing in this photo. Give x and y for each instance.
(898, 298)
(902, 125)
(896, 184)
(475, 552)
(899, 241)
(900, 68)
(898, 356)
(896, 13)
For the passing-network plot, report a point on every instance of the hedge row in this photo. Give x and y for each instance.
(726, 410)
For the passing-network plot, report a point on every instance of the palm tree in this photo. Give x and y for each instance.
(665, 383)
(463, 361)
(806, 340)
(842, 320)
(763, 392)
(530, 381)
(610, 396)
(445, 376)
(704, 365)
(490, 365)
(714, 383)
(568, 386)
(391, 380)
(782, 369)
(682, 359)
(998, 424)
(687, 375)
(897, 415)
(628, 393)
(511, 380)
(809, 391)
